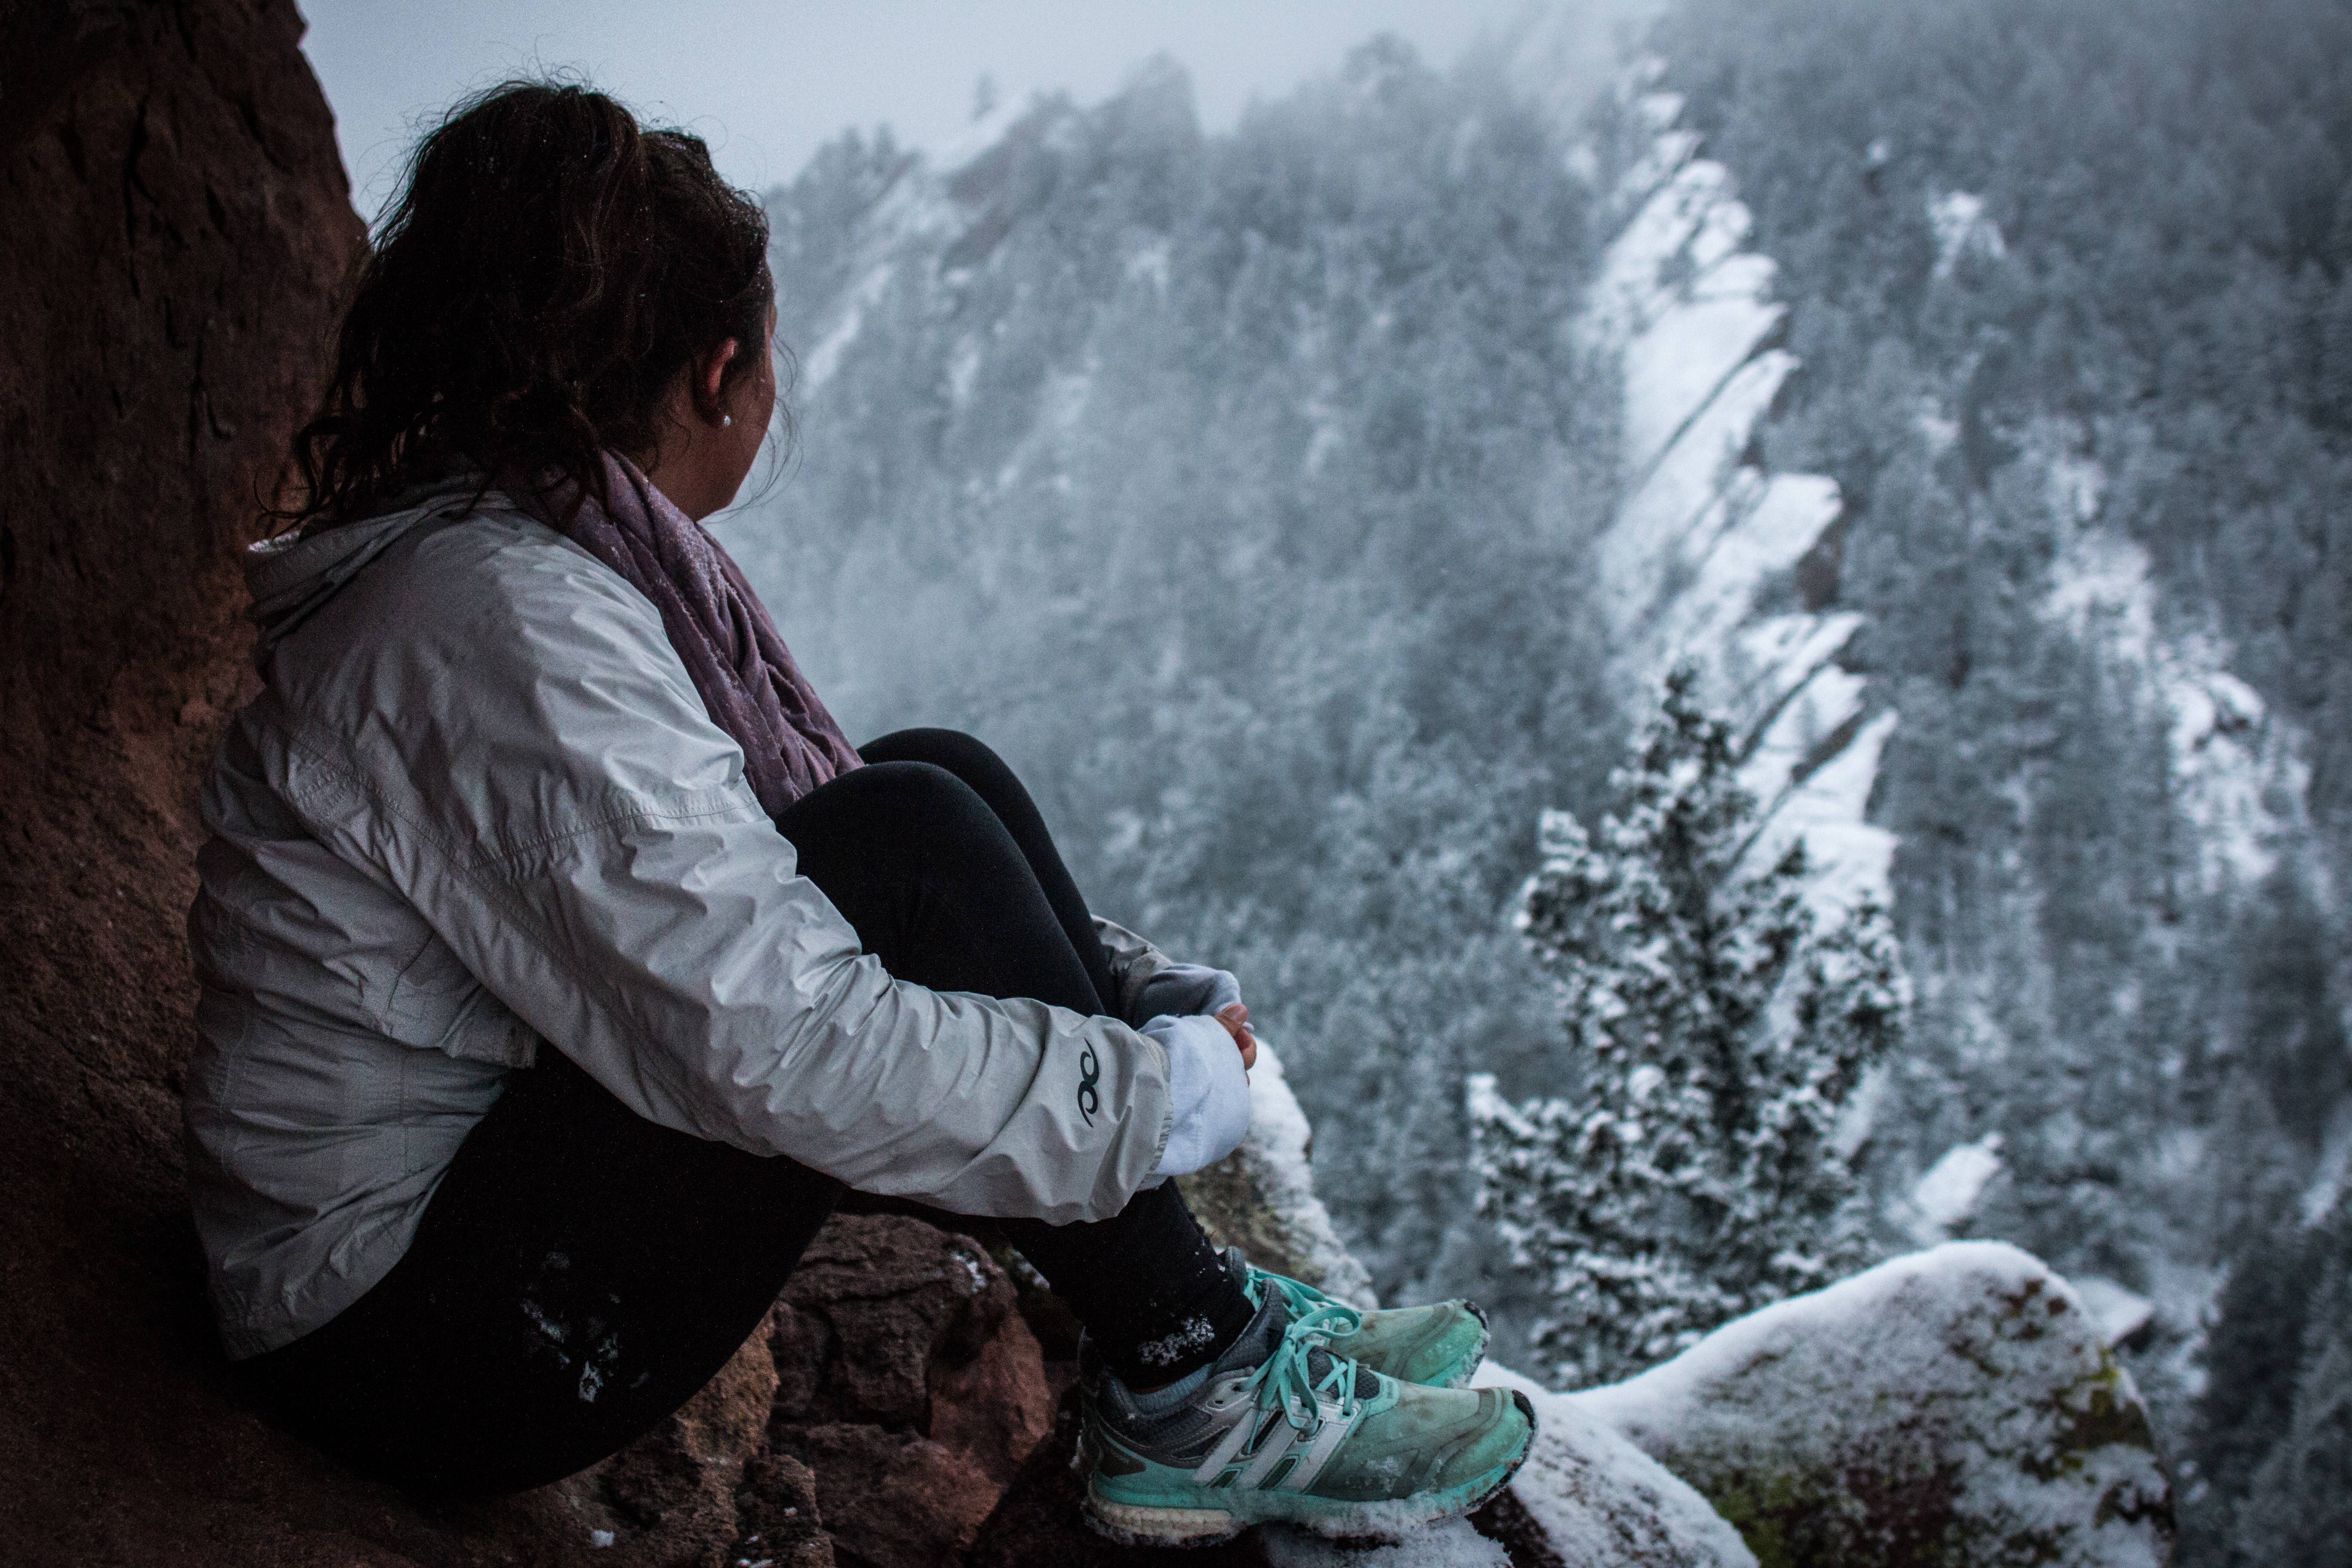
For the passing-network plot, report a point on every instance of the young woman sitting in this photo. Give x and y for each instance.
(562, 963)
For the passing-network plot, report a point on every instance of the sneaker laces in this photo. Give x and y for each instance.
(1336, 1319)
(1290, 1376)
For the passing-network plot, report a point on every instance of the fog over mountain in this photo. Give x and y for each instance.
(1967, 388)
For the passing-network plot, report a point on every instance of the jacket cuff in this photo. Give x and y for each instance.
(1133, 962)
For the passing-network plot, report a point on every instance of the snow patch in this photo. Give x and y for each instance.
(1678, 364)
(1943, 1199)
(2118, 1313)
(1848, 860)
(1148, 264)
(2334, 1177)
(1450, 1544)
(818, 364)
(1601, 1500)
(2241, 772)
(1962, 231)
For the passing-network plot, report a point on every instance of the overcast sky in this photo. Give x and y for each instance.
(765, 83)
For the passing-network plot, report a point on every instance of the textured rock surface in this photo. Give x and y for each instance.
(176, 220)
(909, 1383)
(1953, 1407)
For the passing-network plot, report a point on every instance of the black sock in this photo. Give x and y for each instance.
(1155, 1297)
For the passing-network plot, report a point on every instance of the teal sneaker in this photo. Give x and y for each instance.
(1283, 1428)
(1437, 1346)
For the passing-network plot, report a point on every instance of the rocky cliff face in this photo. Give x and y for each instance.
(1711, 557)
(177, 220)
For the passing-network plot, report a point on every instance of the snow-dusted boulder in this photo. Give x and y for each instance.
(1957, 1407)
(1601, 1502)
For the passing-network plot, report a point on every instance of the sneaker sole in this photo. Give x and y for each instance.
(1139, 1524)
(1134, 1524)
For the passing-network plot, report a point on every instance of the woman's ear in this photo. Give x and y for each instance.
(709, 373)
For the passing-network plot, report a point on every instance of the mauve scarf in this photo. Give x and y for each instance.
(722, 632)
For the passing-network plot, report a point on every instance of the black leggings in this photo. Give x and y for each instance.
(581, 1272)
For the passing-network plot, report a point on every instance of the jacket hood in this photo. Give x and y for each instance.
(289, 577)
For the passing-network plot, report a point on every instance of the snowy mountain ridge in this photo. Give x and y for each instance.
(1706, 538)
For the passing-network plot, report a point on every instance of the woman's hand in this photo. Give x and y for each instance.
(1235, 1016)
(1194, 988)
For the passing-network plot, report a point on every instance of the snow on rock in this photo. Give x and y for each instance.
(1755, 529)
(2240, 772)
(1600, 1501)
(1676, 366)
(2117, 1311)
(1957, 1407)
(1848, 859)
(1706, 541)
(1261, 1197)
(2333, 1180)
(1943, 1200)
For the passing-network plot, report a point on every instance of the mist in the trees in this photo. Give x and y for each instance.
(1238, 490)
(1251, 493)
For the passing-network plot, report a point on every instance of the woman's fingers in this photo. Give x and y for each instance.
(1235, 1016)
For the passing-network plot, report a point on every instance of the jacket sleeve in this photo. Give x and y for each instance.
(1133, 962)
(529, 764)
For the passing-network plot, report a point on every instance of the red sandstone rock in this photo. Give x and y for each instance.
(176, 220)
(908, 1383)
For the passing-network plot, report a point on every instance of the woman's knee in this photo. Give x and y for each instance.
(893, 814)
(967, 758)
(906, 790)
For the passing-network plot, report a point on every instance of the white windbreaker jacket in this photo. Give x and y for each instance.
(478, 806)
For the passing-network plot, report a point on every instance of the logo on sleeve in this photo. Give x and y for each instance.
(1089, 1074)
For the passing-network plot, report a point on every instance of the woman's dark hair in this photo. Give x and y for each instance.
(546, 273)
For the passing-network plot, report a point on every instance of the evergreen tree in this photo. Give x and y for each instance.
(2301, 1507)
(1697, 1172)
(2276, 1412)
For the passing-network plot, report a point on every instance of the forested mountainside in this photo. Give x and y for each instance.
(1239, 490)
(2072, 284)
(1304, 509)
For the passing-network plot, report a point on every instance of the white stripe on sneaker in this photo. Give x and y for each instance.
(1327, 1438)
(1267, 1458)
(1236, 1438)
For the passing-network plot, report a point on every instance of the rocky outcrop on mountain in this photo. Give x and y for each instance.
(1711, 556)
(1956, 1407)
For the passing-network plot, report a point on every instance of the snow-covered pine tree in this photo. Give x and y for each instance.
(2301, 1506)
(1698, 1170)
